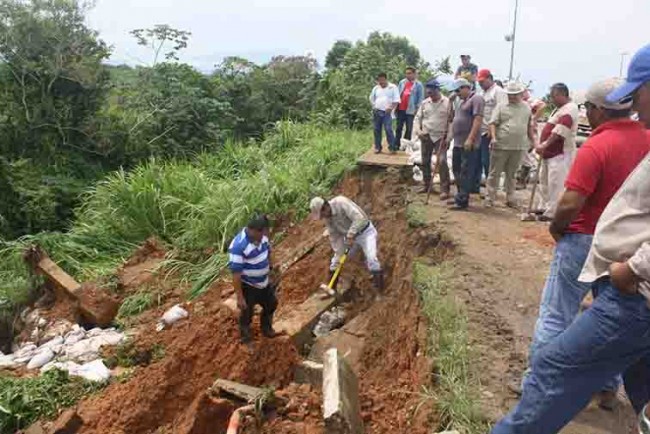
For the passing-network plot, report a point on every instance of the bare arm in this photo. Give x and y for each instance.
(551, 141)
(476, 128)
(493, 132)
(568, 209)
(239, 292)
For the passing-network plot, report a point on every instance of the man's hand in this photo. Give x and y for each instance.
(349, 241)
(241, 302)
(623, 278)
(468, 145)
(493, 143)
(557, 235)
(422, 136)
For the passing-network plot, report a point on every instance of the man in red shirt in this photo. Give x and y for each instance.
(616, 146)
(411, 94)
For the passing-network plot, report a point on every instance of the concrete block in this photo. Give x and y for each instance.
(341, 409)
(241, 391)
(308, 372)
(68, 423)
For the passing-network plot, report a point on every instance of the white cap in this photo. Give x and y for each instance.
(598, 92)
(315, 207)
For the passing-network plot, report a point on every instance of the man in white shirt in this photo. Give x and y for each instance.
(612, 336)
(384, 99)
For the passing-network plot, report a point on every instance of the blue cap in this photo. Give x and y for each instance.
(433, 84)
(637, 73)
(461, 82)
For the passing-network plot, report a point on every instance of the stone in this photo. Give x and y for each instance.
(308, 372)
(36, 428)
(341, 409)
(241, 391)
(42, 322)
(68, 423)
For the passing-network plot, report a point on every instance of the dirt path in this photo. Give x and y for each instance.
(501, 267)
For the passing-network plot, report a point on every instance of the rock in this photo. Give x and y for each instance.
(330, 320)
(341, 409)
(42, 322)
(68, 423)
(174, 315)
(42, 358)
(93, 371)
(36, 428)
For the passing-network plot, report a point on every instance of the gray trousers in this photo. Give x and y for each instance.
(504, 161)
(427, 148)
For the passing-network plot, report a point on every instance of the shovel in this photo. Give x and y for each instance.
(329, 288)
(528, 216)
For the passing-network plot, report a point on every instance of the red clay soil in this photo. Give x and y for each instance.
(169, 395)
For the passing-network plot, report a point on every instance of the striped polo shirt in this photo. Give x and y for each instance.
(249, 259)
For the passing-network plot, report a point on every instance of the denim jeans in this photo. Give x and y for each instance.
(464, 165)
(563, 294)
(403, 119)
(612, 336)
(383, 120)
(483, 167)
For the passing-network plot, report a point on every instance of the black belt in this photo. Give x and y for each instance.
(365, 228)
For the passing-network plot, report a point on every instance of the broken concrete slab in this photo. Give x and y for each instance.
(68, 423)
(309, 372)
(341, 409)
(299, 322)
(349, 340)
(238, 390)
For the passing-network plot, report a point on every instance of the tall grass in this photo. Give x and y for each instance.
(191, 206)
(456, 390)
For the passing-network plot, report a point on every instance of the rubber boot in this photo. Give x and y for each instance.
(378, 282)
(245, 335)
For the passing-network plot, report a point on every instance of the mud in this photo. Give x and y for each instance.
(169, 395)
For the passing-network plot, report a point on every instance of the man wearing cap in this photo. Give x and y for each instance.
(612, 335)
(557, 148)
(467, 70)
(466, 126)
(348, 225)
(249, 260)
(432, 127)
(512, 133)
(384, 99)
(493, 95)
(411, 95)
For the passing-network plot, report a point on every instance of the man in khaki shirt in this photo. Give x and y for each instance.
(612, 336)
(431, 125)
(512, 133)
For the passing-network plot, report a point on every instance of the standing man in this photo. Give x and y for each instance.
(537, 107)
(467, 70)
(467, 123)
(384, 99)
(512, 134)
(432, 127)
(411, 95)
(493, 95)
(251, 265)
(612, 335)
(349, 225)
(557, 147)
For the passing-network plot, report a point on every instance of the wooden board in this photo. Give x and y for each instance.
(385, 159)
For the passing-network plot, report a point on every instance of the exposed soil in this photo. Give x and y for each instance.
(500, 269)
(169, 395)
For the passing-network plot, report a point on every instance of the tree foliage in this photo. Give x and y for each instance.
(337, 53)
(159, 36)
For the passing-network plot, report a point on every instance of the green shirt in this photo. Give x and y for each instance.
(511, 121)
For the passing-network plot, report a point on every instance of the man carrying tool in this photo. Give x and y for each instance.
(251, 265)
(432, 127)
(467, 123)
(557, 147)
(511, 133)
(349, 225)
(612, 335)
(613, 151)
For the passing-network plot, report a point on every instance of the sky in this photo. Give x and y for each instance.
(573, 41)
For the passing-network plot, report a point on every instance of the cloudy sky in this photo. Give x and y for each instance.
(574, 41)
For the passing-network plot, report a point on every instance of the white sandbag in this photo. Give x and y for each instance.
(58, 340)
(25, 354)
(74, 336)
(174, 315)
(63, 366)
(8, 361)
(93, 371)
(83, 351)
(418, 176)
(40, 359)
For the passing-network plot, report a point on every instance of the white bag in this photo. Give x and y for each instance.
(41, 359)
(417, 174)
(174, 315)
(93, 371)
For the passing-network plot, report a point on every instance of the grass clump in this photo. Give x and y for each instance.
(136, 304)
(25, 400)
(415, 216)
(456, 387)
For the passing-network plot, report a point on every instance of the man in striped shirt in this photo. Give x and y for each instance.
(250, 264)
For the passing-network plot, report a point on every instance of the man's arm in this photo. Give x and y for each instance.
(359, 220)
(550, 142)
(396, 99)
(372, 96)
(239, 292)
(568, 209)
(477, 122)
(417, 131)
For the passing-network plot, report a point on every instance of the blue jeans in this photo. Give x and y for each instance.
(612, 336)
(403, 120)
(464, 166)
(483, 166)
(563, 293)
(383, 120)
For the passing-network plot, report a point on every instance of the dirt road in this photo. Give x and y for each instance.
(502, 265)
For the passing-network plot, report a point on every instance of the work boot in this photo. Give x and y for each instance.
(269, 332)
(378, 281)
(245, 336)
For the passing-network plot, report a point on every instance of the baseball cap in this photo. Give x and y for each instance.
(598, 92)
(638, 73)
(315, 207)
(483, 74)
(461, 82)
(433, 84)
(465, 55)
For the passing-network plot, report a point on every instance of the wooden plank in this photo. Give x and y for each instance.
(385, 159)
(241, 391)
(62, 280)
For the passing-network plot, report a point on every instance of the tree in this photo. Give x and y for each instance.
(337, 53)
(395, 47)
(159, 36)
